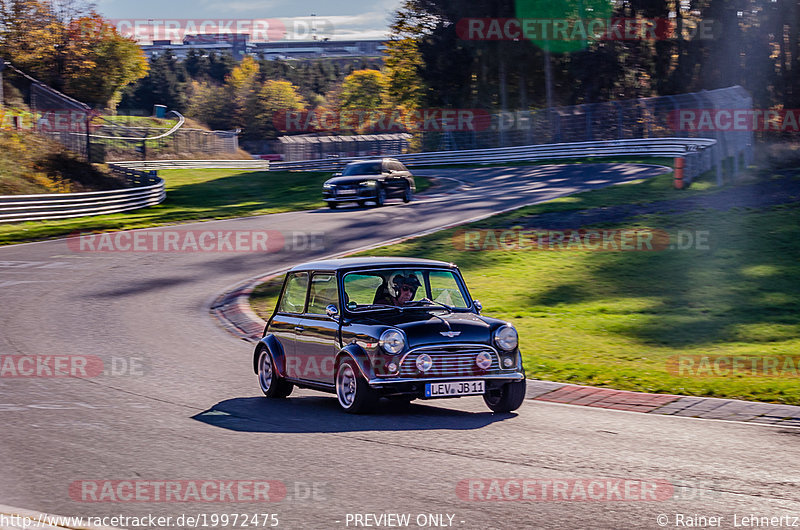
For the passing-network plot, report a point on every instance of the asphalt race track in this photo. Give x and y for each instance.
(184, 405)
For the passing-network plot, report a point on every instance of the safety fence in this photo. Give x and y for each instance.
(699, 155)
(146, 189)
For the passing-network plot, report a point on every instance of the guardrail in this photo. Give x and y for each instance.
(254, 165)
(699, 154)
(147, 189)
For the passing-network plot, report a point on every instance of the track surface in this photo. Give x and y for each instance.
(195, 413)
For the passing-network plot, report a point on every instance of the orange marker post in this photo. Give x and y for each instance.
(678, 182)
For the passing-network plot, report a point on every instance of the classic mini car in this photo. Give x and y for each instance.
(369, 180)
(401, 328)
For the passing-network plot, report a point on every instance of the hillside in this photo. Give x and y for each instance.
(31, 164)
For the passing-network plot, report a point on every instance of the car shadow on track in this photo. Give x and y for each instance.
(309, 414)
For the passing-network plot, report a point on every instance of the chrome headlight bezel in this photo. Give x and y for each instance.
(506, 338)
(393, 341)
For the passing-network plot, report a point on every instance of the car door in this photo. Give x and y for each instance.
(318, 340)
(396, 180)
(286, 322)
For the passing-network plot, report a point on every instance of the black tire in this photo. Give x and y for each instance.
(407, 194)
(352, 390)
(507, 398)
(332, 205)
(362, 203)
(380, 196)
(271, 384)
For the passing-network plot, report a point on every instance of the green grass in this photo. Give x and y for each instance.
(615, 319)
(137, 121)
(194, 195)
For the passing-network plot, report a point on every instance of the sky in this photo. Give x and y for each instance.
(337, 20)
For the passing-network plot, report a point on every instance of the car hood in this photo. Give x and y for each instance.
(435, 327)
(352, 179)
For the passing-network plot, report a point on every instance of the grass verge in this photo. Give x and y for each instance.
(622, 319)
(195, 195)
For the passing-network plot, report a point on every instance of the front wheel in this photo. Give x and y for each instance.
(506, 398)
(332, 205)
(353, 392)
(407, 194)
(380, 198)
(272, 385)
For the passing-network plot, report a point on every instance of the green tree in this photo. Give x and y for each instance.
(364, 89)
(275, 97)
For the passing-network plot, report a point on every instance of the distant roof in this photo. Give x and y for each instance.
(347, 263)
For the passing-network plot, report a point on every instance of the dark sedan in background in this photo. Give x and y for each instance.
(370, 181)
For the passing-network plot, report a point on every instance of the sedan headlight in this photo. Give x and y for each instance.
(327, 186)
(506, 338)
(392, 341)
(368, 183)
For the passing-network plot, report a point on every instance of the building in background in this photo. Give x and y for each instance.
(239, 45)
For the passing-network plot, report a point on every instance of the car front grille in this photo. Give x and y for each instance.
(453, 361)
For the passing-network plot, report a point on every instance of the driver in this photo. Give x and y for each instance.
(400, 289)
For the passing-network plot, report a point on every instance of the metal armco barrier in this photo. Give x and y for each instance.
(147, 190)
(699, 154)
(254, 165)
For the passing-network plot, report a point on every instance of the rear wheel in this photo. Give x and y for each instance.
(272, 385)
(353, 392)
(506, 398)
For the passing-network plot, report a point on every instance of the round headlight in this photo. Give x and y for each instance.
(506, 338)
(392, 341)
(424, 362)
(483, 360)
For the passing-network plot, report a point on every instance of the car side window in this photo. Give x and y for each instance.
(323, 293)
(294, 296)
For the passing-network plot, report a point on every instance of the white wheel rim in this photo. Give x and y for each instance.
(346, 385)
(265, 372)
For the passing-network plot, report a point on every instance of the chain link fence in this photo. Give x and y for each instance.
(117, 142)
(656, 117)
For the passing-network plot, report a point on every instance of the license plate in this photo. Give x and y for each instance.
(346, 192)
(454, 388)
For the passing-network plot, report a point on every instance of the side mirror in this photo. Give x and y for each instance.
(337, 174)
(332, 311)
(477, 305)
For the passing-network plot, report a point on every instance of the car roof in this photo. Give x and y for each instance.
(376, 261)
(373, 160)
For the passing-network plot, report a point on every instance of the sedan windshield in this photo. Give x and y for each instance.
(403, 288)
(362, 168)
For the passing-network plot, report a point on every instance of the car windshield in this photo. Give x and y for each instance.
(403, 288)
(362, 168)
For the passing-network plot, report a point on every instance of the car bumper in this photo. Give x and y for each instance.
(416, 386)
(360, 195)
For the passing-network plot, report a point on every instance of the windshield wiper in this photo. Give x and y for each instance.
(429, 301)
(380, 306)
